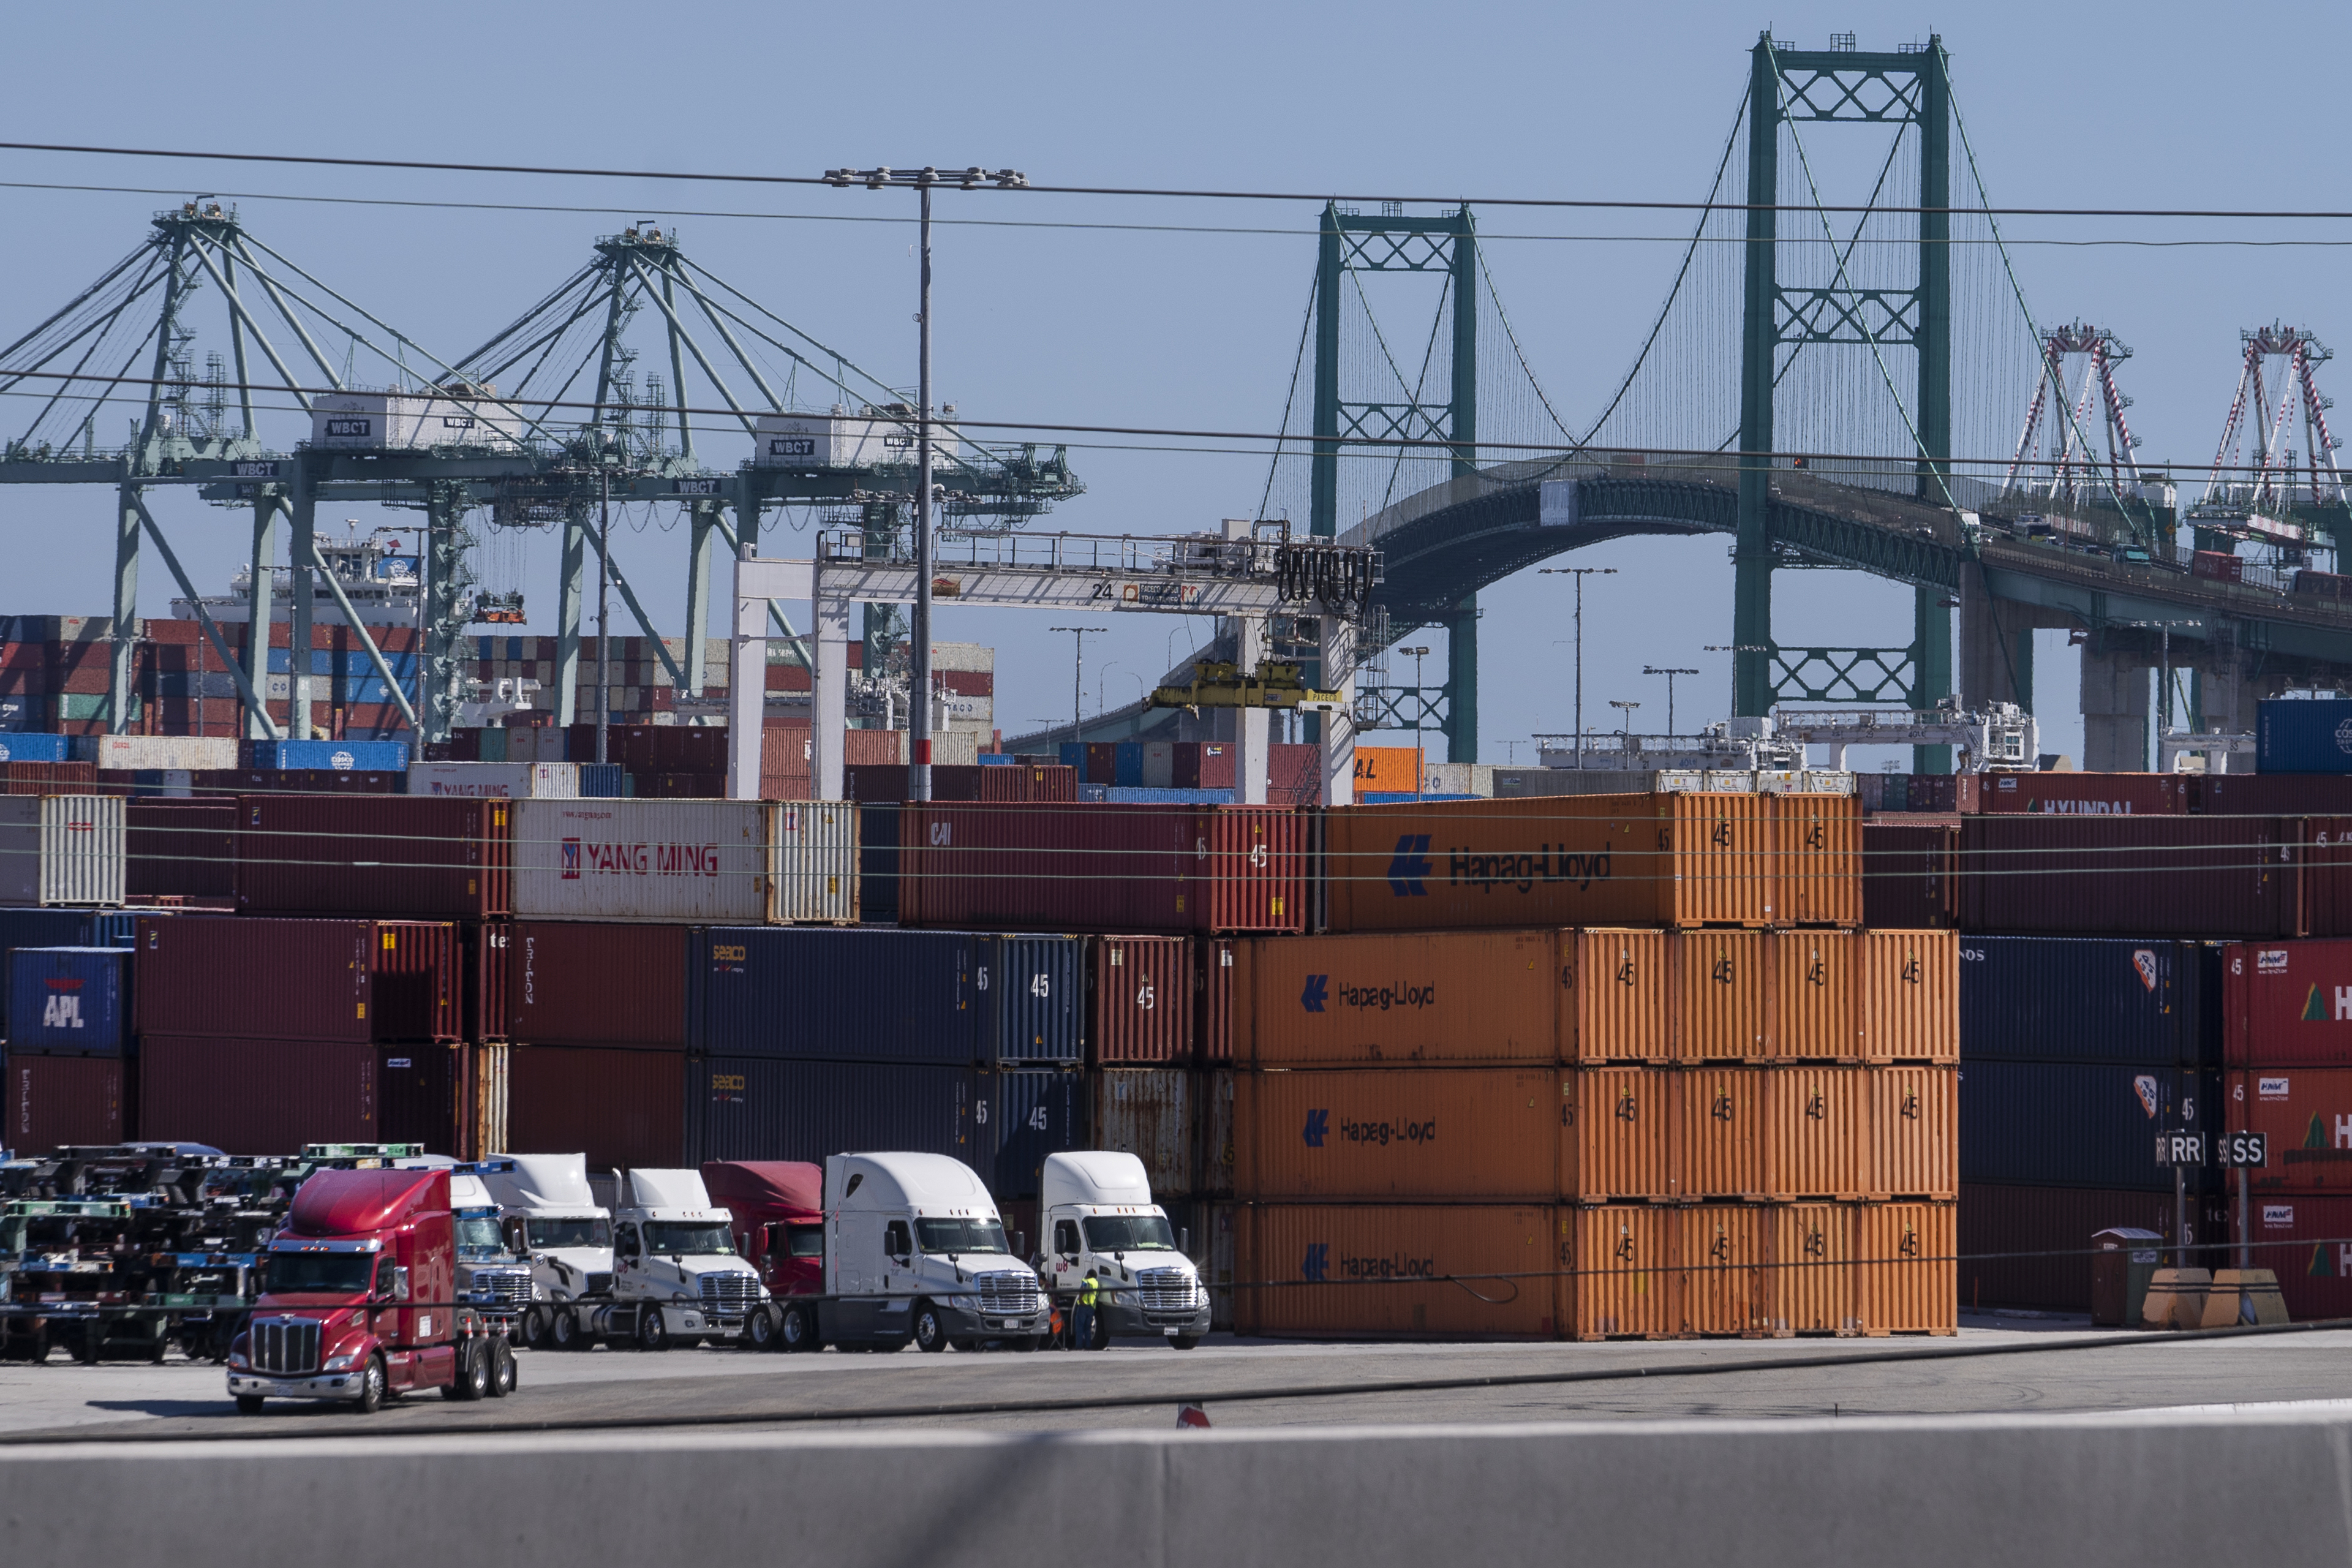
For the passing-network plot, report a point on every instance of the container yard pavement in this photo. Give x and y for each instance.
(734, 1387)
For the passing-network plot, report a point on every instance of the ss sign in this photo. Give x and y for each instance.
(2249, 1150)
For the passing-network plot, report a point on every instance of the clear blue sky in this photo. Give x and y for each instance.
(2100, 105)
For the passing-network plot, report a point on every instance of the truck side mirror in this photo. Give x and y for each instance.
(1185, 1241)
(400, 1284)
(1020, 1243)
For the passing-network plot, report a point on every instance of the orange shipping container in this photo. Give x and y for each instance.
(1816, 1135)
(1915, 1131)
(1723, 1252)
(1620, 1279)
(1909, 983)
(1811, 1284)
(1812, 985)
(1464, 1133)
(1720, 994)
(1719, 1127)
(1613, 1000)
(1456, 998)
(1817, 845)
(1616, 1134)
(1909, 1280)
(1388, 769)
(1324, 1269)
(1556, 860)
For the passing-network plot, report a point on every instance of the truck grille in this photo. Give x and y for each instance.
(287, 1347)
(728, 1295)
(1007, 1294)
(1165, 1290)
(599, 1284)
(507, 1289)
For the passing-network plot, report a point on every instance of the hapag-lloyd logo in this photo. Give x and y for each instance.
(582, 860)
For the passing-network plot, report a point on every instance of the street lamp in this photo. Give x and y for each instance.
(1624, 725)
(1580, 573)
(2164, 667)
(1669, 674)
(1078, 681)
(918, 735)
(1417, 655)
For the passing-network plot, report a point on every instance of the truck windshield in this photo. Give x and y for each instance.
(478, 1237)
(807, 1240)
(551, 1232)
(1129, 1232)
(326, 1273)
(960, 1236)
(685, 1235)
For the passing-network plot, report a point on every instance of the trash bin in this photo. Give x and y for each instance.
(2120, 1270)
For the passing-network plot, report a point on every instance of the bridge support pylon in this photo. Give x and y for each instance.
(1462, 682)
(2116, 690)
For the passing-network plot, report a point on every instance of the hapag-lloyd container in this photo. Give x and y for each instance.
(1616, 1135)
(813, 862)
(1719, 1125)
(2287, 1004)
(1810, 1284)
(1816, 1131)
(1616, 990)
(1915, 1131)
(758, 1108)
(1147, 1112)
(297, 979)
(258, 1097)
(1389, 1269)
(689, 861)
(1909, 983)
(2307, 1115)
(2131, 876)
(1813, 990)
(1910, 874)
(814, 992)
(50, 1101)
(1817, 849)
(1721, 989)
(61, 849)
(576, 982)
(1103, 868)
(2077, 794)
(621, 1108)
(1382, 1134)
(1724, 1250)
(376, 855)
(2056, 998)
(1619, 1278)
(1457, 998)
(1139, 997)
(497, 781)
(68, 1001)
(1907, 1276)
(185, 849)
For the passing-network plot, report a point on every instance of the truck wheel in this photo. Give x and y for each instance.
(504, 1374)
(473, 1379)
(1185, 1342)
(248, 1405)
(372, 1387)
(535, 1328)
(930, 1330)
(760, 1330)
(653, 1333)
(798, 1330)
(563, 1330)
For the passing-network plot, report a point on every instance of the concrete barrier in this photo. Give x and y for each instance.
(2137, 1488)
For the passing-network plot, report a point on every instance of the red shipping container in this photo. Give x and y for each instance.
(257, 1097)
(2077, 794)
(1934, 792)
(1028, 782)
(185, 849)
(483, 951)
(1910, 874)
(2287, 1004)
(376, 855)
(2270, 794)
(47, 778)
(1103, 868)
(2130, 876)
(1292, 776)
(295, 979)
(884, 784)
(576, 982)
(1139, 992)
(2030, 1246)
(2306, 1113)
(1102, 761)
(1203, 764)
(624, 1109)
(56, 1100)
(967, 682)
(1213, 1026)
(2306, 1241)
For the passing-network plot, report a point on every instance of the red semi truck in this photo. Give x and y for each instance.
(776, 1209)
(357, 1300)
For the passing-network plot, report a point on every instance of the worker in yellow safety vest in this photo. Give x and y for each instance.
(1081, 1322)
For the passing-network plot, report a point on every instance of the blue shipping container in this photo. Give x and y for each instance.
(1127, 764)
(2089, 999)
(1074, 755)
(600, 781)
(19, 713)
(342, 756)
(995, 760)
(1093, 795)
(1154, 794)
(1033, 993)
(877, 864)
(758, 1108)
(2081, 1124)
(68, 1001)
(816, 993)
(1022, 1116)
(2295, 735)
(54, 928)
(30, 746)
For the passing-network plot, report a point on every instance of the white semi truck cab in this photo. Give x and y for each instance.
(677, 1277)
(1096, 1212)
(915, 1250)
(554, 1224)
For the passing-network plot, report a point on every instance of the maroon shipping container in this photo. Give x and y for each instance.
(1103, 868)
(1028, 782)
(417, 1095)
(681, 786)
(2221, 565)
(1214, 1001)
(2306, 1241)
(1202, 764)
(225, 977)
(2270, 794)
(179, 849)
(1293, 774)
(256, 1097)
(1909, 874)
(1934, 793)
(482, 950)
(389, 855)
(55, 1101)
(886, 783)
(573, 983)
(2077, 794)
(624, 1108)
(47, 778)
(2131, 876)
(1141, 993)
(1102, 762)
(2287, 1004)
(2002, 1227)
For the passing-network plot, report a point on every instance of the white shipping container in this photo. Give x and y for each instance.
(142, 752)
(689, 861)
(843, 441)
(812, 862)
(60, 849)
(356, 421)
(497, 781)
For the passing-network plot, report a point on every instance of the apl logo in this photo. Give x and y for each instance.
(1318, 1127)
(2145, 1087)
(1317, 992)
(63, 1010)
(1409, 866)
(2143, 962)
(571, 860)
(1318, 1266)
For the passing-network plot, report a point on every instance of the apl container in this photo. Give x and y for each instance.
(1147, 1112)
(61, 849)
(623, 1108)
(374, 854)
(1020, 1115)
(760, 1108)
(180, 848)
(817, 994)
(688, 861)
(51, 1101)
(257, 1097)
(43, 928)
(1390, 1270)
(573, 983)
(1378, 1135)
(297, 979)
(1140, 999)
(2287, 1004)
(2051, 998)
(2298, 735)
(68, 1001)
(2077, 1124)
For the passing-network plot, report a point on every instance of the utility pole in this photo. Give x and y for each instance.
(1580, 573)
(603, 606)
(1669, 674)
(918, 717)
(1625, 726)
(1078, 681)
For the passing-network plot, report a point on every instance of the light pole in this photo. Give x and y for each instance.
(1580, 573)
(919, 717)
(1078, 681)
(2164, 676)
(1624, 725)
(1669, 674)
(1416, 655)
(1733, 648)
(604, 605)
